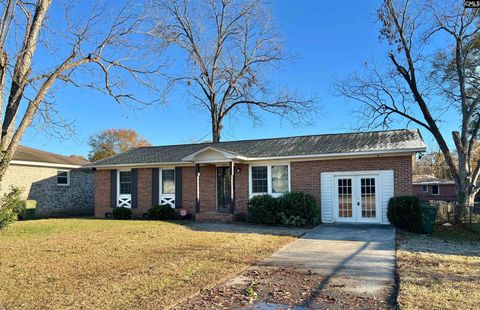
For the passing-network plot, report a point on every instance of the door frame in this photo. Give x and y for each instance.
(356, 196)
(216, 188)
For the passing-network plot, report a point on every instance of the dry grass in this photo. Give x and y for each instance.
(105, 264)
(440, 271)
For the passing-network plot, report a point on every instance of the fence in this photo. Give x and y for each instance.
(469, 216)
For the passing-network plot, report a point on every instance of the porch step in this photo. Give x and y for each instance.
(214, 217)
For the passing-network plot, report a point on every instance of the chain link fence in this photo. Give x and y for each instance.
(469, 216)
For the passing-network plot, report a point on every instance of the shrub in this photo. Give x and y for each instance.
(7, 216)
(121, 213)
(162, 212)
(10, 207)
(290, 209)
(263, 210)
(404, 212)
(301, 206)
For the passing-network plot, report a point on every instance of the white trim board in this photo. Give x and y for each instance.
(42, 164)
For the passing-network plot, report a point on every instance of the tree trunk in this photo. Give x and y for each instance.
(215, 132)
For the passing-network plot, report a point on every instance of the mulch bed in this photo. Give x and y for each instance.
(279, 288)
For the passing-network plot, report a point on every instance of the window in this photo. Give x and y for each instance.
(63, 178)
(280, 179)
(259, 180)
(168, 181)
(435, 190)
(425, 188)
(270, 179)
(125, 181)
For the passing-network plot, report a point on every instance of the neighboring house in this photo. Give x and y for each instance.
(429, 187)
(351, 175)
(58, 183)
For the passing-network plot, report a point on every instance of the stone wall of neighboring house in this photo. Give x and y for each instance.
(40, 184)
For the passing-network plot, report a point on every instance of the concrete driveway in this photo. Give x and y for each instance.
(358, 259)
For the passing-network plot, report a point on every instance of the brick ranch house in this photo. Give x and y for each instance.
(351, 175)
(431, 188)
(58, 183)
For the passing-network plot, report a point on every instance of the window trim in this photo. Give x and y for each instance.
(68, 177)
(269, 178)
(424, 188)
(118, 183)
(438, 192)
(161, 182)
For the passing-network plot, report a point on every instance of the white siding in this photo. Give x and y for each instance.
(387, 192)
(327, 190)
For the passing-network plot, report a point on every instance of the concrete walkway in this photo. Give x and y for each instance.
(359, 259)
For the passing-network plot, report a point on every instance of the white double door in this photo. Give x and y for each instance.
(357, 199)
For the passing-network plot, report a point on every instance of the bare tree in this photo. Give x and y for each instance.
(229, 46)
(92, 50)
(433, 67)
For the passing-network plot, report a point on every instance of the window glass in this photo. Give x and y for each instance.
(425, 188)
(435, 190)
(62, 178)
(279, 179)
(168, 181)
(259, 179)
(125, 182)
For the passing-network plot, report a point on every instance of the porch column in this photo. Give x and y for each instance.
(232, 186)
(197, 196)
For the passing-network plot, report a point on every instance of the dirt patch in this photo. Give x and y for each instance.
(280, 288)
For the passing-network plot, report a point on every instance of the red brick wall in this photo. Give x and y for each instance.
(188, 189)
(208, 189)
(305, 175)
(144, 192)
(102, 192)
(241, 189)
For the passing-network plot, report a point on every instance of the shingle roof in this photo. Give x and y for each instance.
(25, 153)
(424, 179)
(392, 140)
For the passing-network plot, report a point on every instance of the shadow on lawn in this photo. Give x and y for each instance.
(246, 229)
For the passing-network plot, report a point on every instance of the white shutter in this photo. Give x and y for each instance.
(326, 196)
(387, 192)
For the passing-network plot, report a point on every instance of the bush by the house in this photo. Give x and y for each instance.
(121, 213)
(301, 206)
(162, 212)
(290, 209)
(404, 212)
(10, 207)
(263, 210)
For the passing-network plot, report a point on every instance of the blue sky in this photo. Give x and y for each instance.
(330, 39)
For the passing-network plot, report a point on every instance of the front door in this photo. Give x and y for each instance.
(357, 199)
(224, 189)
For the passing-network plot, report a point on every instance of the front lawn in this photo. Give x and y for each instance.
(440, 271)
(88, 263)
